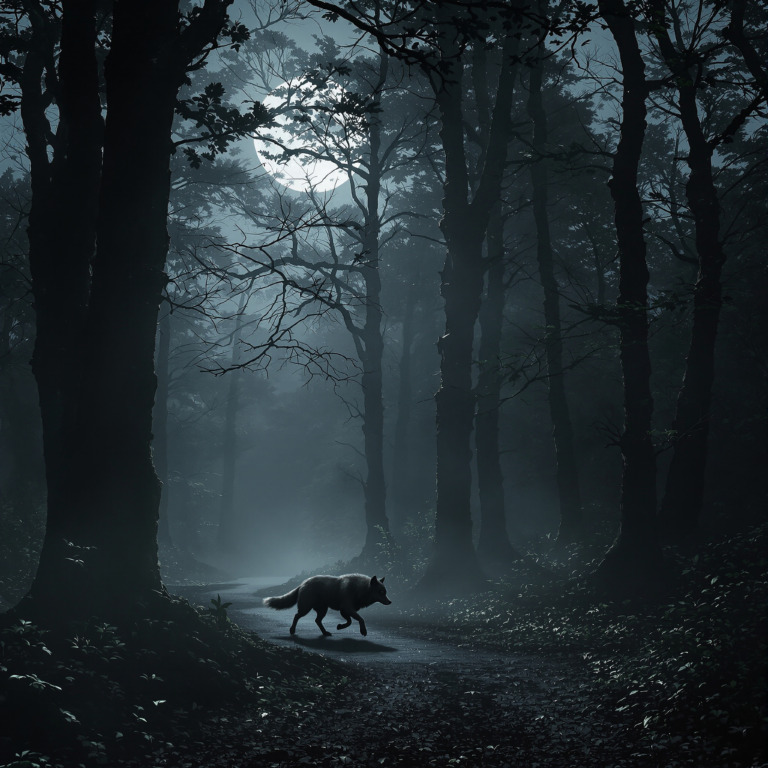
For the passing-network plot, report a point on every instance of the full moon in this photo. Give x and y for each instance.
(304, 127)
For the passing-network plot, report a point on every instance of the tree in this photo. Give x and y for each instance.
(567, 474)
(464, 224)
(744, 39)
(437, 38)
(493, 545)
(160, 424)
(634, 556)
(20, 459)
(98, 242)
(690, 63)
(368, 131)
(410, 286)
(227, 531)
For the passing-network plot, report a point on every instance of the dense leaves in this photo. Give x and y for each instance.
(216, 122)
(684, 677)
(97, 694)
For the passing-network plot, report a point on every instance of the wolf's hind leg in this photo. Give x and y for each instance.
(301, 612)
(319, 620)
(359, 619)
(344, 615)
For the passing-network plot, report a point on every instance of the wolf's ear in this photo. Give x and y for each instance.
(373, 579)
(382, 579)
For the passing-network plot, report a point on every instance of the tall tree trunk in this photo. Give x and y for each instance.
(400, 507)
(122, 492)
(377, 525)
(160, 426)
(21, 471)
(97, 408)
(462, 289)
(493, 545)
(227, 533)
(454, 565)
(567, 472)
(62, 235)
(635, 555)
(684, 492)
(599, 267)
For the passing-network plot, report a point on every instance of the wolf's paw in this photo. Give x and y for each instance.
(326, 634)
(363, 631)
(341, 626)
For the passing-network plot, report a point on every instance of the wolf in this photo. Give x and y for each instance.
(346, 594)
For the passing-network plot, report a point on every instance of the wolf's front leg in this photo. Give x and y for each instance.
(359, 619)
(347, 623)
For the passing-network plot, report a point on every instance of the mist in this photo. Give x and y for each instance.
(445, 321)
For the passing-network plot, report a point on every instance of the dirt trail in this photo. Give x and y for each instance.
(417, 699)
(391, 639)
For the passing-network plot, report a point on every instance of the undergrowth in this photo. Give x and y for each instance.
(99, 693)
(686, 673)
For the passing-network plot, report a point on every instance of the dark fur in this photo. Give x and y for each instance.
(346, 594)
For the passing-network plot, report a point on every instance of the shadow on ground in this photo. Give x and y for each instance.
(341, 645)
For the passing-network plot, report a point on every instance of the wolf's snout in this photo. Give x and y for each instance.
(386, 601)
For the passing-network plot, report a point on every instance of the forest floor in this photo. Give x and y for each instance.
(539, 672)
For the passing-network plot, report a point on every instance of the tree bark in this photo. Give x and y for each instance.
(635, 555)
(227, 532)
(400, 507)
(493, 547)
(377, 525)
(454, 565)
(94, 356)
(454, 554)
(684, 491)
(122, 493)
(160, 422)
(21, 472)
(61, 232)
(562, 431)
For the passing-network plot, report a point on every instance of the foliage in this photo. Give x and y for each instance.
(96, 693)
(219, 123)
(219, 612)
(684, 676)
(20, 541)
(405, 558)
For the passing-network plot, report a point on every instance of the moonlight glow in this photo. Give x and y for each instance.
(305, 125)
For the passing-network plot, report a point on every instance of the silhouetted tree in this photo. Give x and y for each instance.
(98, 242)
(635, 555)
(689, 65)
(21, 477)
(493, 545)
(464, 224)
(227, 531)
(160, 424)
(567, 474)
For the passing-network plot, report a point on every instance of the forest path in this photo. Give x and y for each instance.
(391, 639)
(417, 698)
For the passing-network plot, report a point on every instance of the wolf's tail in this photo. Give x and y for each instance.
(284, 601)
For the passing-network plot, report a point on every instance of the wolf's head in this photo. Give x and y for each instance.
(379, 591)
